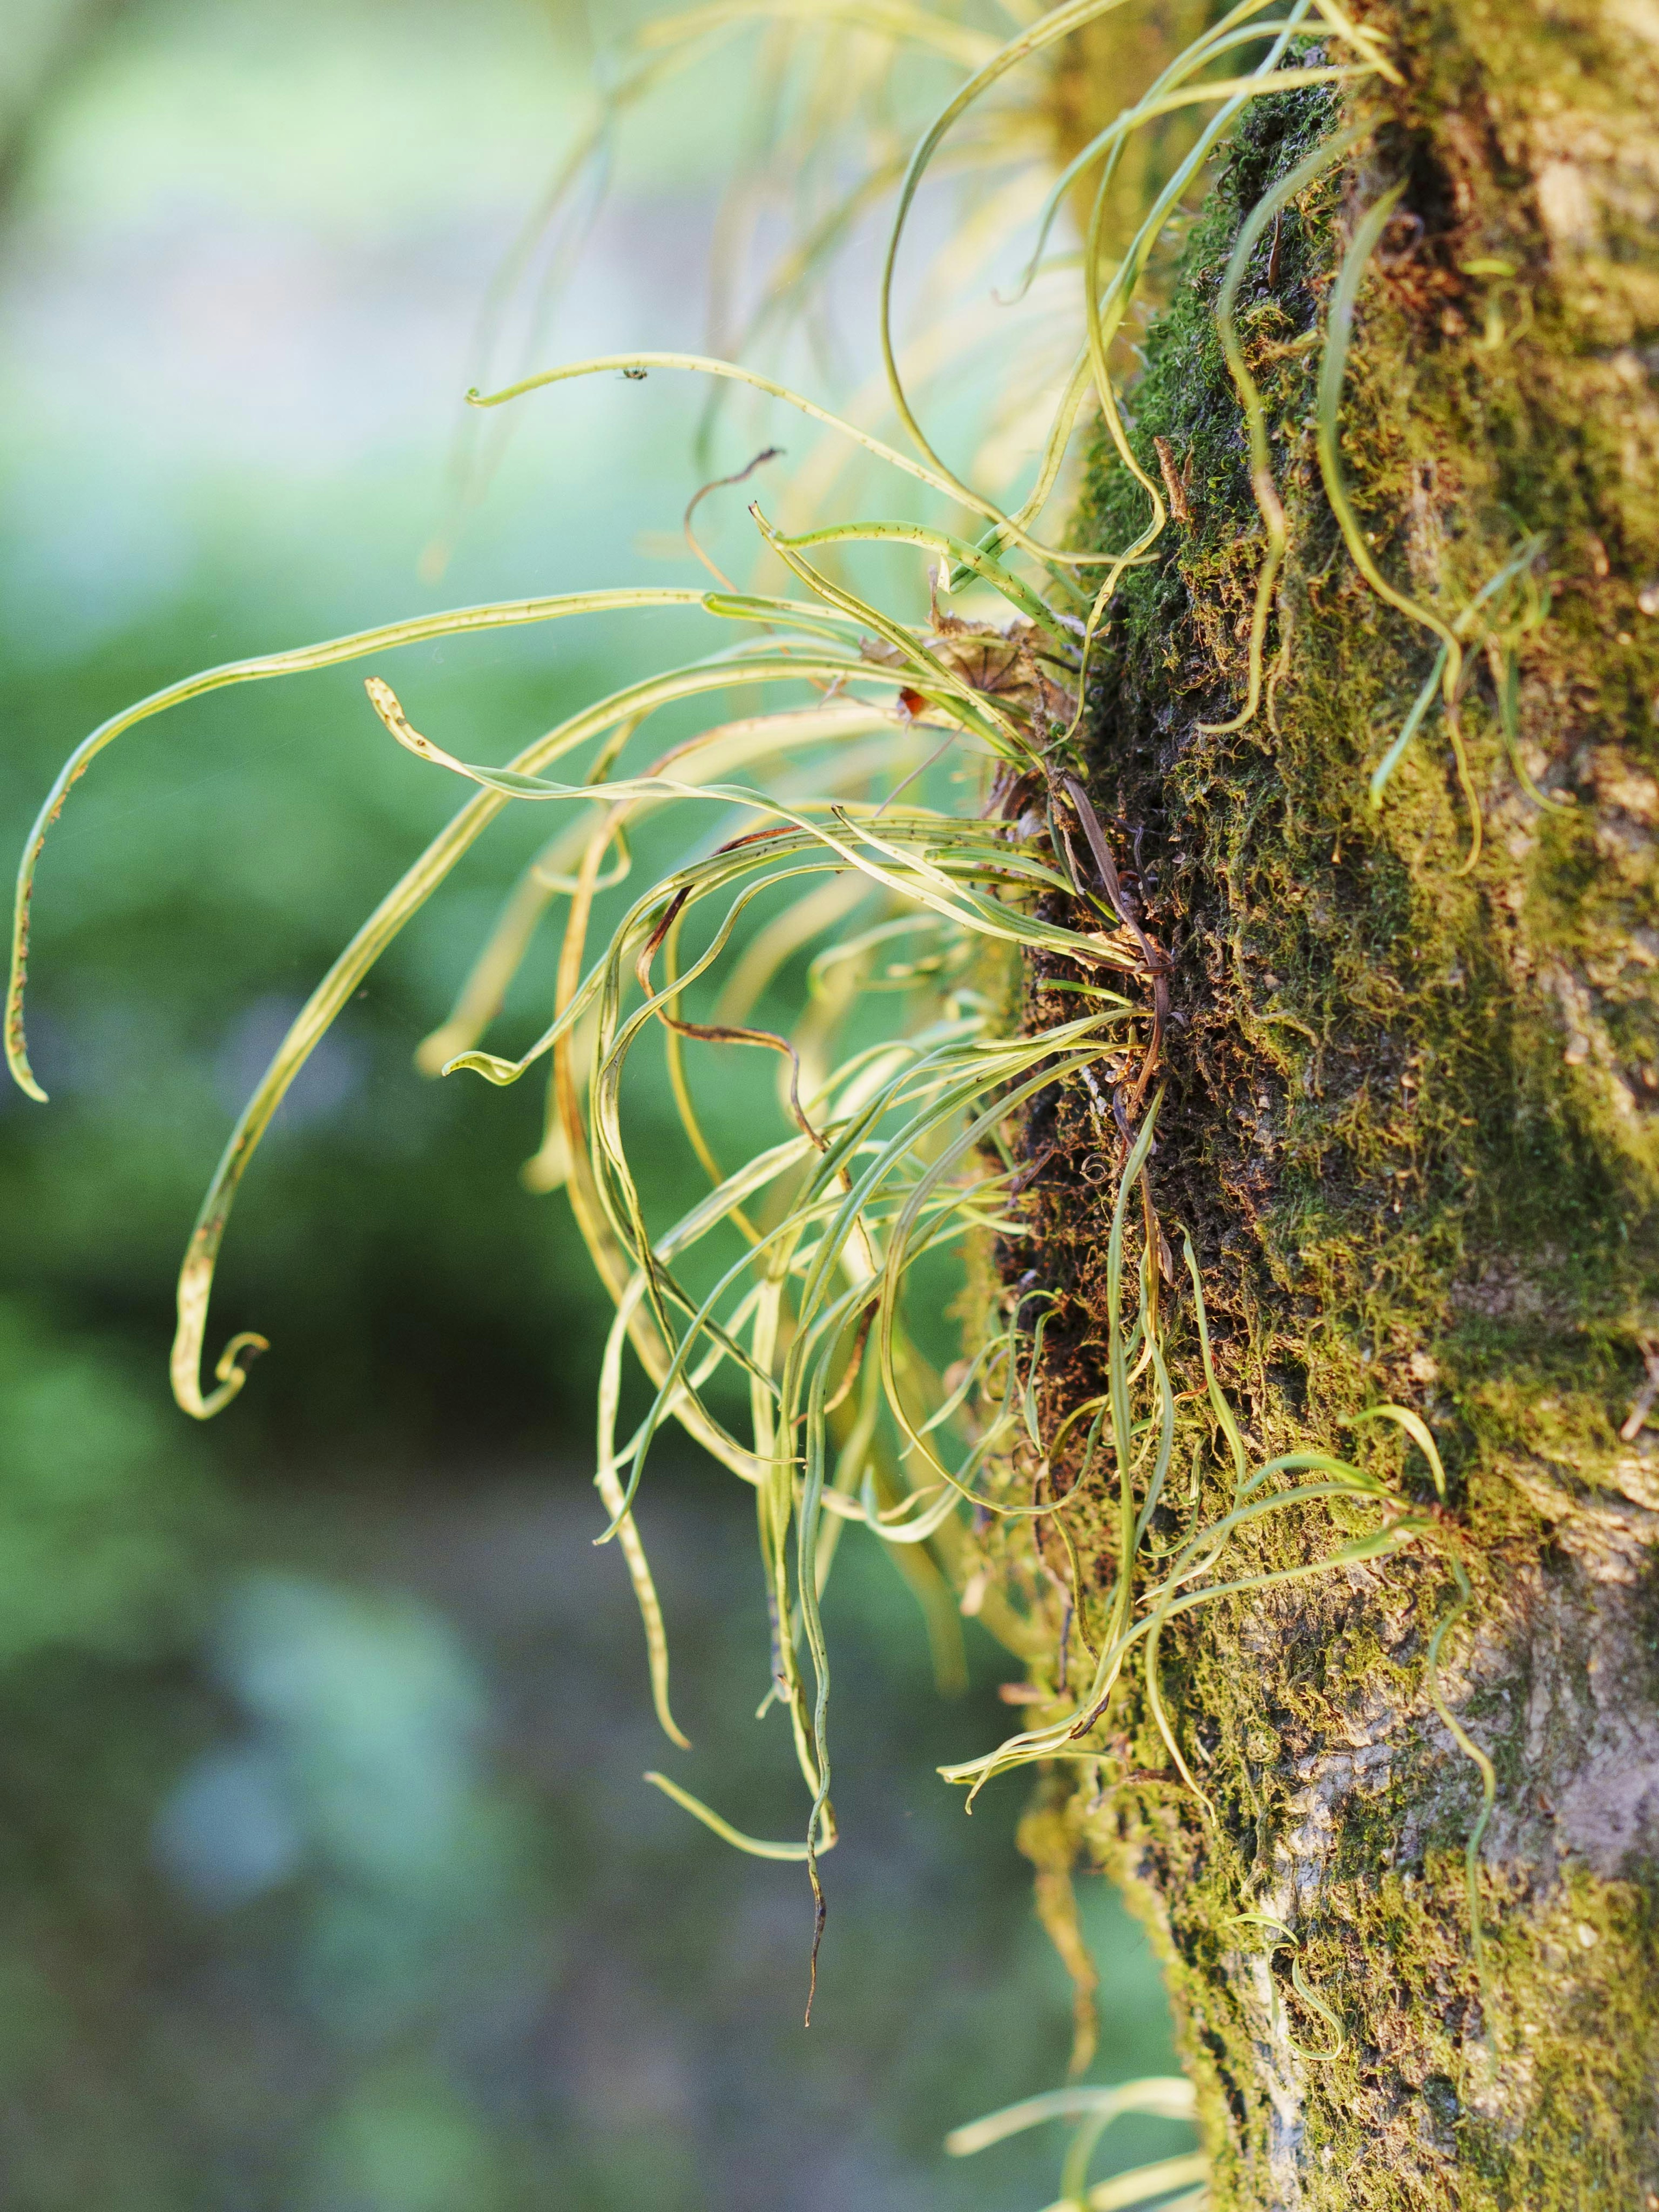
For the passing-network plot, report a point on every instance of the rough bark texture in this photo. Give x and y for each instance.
(1413, 1127)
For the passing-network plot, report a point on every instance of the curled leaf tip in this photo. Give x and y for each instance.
(230, 1373)
(239, 1354)
(384, 701)
(387, 704)
(487, 1064)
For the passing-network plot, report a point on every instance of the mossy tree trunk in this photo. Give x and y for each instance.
(1412, 1125)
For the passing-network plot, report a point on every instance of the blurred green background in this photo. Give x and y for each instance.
(327, 1882)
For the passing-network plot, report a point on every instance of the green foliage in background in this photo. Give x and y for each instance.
(104, 1507)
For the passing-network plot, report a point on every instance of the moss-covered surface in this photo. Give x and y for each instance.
(1412, 1125)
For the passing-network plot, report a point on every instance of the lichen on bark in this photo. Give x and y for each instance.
(1412, 1125)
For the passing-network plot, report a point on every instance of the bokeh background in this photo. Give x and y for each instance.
(327, 1880)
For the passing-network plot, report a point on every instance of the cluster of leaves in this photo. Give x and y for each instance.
(784, 1320)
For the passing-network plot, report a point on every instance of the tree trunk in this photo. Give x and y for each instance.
(1411, 1123)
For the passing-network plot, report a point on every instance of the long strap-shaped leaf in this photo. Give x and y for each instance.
(501, 614)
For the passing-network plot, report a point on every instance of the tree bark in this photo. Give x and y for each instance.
(1412, 1125)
